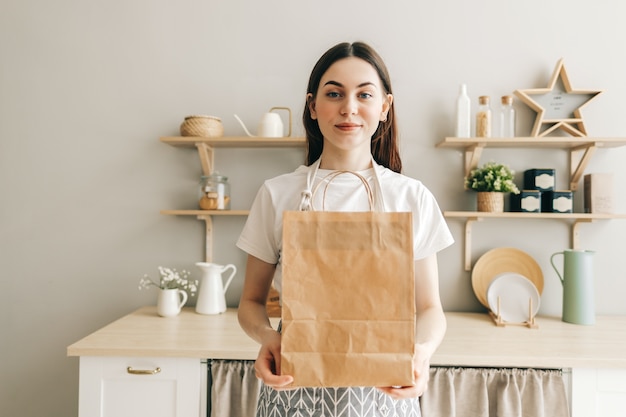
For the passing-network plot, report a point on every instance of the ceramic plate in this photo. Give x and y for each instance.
(499, 260)
(515, 292)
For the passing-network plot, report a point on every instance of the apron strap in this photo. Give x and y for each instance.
(376, 199)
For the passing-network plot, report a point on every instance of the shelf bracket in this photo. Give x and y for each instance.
(578, 168)
(206, 157)
(467, 244)
(576, 232)
(472, 156)
(208, 237)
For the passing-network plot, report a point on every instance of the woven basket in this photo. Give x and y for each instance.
(490, 201)
(203, 126)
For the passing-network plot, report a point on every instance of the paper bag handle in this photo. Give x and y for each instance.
(328, 179)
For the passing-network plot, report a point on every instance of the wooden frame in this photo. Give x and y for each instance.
(557, 106)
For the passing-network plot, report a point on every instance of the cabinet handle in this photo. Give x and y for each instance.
(130, 370)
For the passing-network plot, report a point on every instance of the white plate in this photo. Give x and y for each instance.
(515, 291)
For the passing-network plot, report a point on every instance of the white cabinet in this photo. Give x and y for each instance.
(142, 386)
(598, 392)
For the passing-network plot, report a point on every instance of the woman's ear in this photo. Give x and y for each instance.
(386, 106)
(311, 103)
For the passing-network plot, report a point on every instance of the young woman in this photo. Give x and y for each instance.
(350, 124)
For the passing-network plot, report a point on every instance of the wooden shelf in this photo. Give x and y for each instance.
(581, 149)
(205, 147)
(576, 218)
(235, 142)
(532, 142)
(206, 212)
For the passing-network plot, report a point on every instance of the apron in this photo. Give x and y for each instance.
(334, 402)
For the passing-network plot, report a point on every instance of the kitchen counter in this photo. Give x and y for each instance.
(472, 339)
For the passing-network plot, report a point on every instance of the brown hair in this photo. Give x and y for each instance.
(384, 140)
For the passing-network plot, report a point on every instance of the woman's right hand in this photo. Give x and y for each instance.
(267, 364)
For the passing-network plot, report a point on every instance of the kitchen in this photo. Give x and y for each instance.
(88, 89)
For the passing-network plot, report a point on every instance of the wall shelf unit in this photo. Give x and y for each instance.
(576, 219)
(580, 149)
(205, 148)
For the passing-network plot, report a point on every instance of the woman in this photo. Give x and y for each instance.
(350, 124)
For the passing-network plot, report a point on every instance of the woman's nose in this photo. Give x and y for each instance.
(349, 106)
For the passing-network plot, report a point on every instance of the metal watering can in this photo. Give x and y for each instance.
(578, 286)
(212, 294)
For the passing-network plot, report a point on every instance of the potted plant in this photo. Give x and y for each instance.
(491, 181)
(172, 290)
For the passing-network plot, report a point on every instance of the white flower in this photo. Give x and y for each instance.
(170, 279)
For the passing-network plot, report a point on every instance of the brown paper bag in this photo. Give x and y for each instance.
(348, 313)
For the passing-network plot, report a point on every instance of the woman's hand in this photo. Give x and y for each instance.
(267, 364)
(421, 375)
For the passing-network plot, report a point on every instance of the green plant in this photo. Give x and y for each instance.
(492, 177)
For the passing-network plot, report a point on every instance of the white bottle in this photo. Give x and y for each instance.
(463, 114)
(507, 118)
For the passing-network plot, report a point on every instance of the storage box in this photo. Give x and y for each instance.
(557, 202)
(527, 201)
(542, 179)
(598, 189)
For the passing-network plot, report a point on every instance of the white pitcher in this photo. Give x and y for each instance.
(212, 294)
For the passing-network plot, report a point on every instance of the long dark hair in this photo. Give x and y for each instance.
(384, 140)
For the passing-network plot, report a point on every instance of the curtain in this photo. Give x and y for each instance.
(491, 392)
(452, 392)
(234, 389)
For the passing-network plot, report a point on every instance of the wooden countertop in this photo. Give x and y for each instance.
(472, 339)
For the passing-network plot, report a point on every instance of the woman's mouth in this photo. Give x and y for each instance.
(347, 126)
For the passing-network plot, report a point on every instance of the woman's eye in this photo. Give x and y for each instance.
(365, 95)
(333, 94)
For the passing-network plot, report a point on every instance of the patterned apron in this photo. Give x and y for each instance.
(334, 402)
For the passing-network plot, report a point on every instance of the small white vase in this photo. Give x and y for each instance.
(170, 301)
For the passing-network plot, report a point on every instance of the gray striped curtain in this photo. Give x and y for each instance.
(452, 392)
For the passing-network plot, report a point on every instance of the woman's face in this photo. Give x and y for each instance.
(349, 104)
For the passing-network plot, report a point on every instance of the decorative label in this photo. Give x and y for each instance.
(544, 181)
(530, 203)
(562, 204)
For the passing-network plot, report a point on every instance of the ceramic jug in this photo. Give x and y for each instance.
(170, 301)
(212, 293)
(578, 286)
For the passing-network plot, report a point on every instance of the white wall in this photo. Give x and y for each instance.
(88, 87)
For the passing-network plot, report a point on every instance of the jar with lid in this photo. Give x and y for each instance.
(483, 118)
(214, 192)
(507, 118)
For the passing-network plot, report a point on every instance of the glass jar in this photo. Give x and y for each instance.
(507, 118)
(214, 192)
(483, 118)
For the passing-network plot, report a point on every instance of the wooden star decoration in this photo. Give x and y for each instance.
(557, 106)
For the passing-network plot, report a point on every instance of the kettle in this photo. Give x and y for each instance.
(212, 294)
(270, 126)
(577, 280)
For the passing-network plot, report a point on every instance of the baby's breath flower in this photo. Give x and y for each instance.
(170, 278)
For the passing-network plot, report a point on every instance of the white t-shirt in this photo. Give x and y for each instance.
(262, 234)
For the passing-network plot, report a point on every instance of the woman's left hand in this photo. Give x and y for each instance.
(421, 375)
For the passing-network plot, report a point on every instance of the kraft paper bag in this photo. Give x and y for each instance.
(348, 312)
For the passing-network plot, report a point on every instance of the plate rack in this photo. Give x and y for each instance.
(500, 322)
